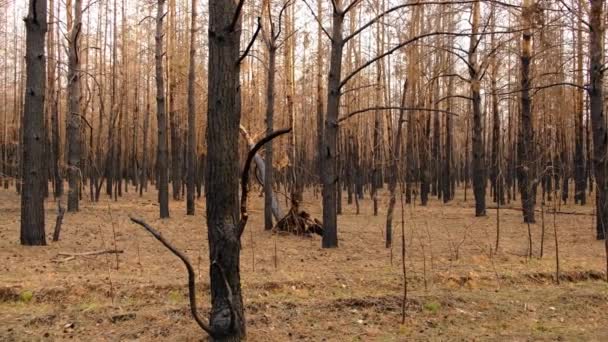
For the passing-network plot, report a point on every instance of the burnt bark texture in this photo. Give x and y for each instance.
(525, 142)
(32, 195)
(478, 165)
(74, 116)
(227, 316)
(161, 160)
(191, 159)
(598, 120)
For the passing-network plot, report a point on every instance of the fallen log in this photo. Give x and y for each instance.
(546, 212)
(105, 251)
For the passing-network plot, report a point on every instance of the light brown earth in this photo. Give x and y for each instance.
(457, 290)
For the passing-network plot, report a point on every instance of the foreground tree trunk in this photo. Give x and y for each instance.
(74, 115)
(222, 170)
(329, 170)
(161, 161)
(191, 160)
(32, 196)
(598, 121)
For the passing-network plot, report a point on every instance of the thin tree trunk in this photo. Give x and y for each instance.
(598, 120)
(163, 187)
(74, 114)
(526, 140)
(191, 160)
(478, 167)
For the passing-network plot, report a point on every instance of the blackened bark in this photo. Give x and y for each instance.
(269, 169)
(525, 143)
(74, 115)
(598, 120)
(478, 165)
(329, 170)
(222, 170)
(32, 199)
(161, 160)
(191, 159)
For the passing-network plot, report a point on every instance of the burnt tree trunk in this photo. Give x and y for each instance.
(525, 143)
(269, 170)
(191, 159)
(161, 160)
(74, 116)
(478, 165)
(598, 121)
(32, 196)
(222, 170)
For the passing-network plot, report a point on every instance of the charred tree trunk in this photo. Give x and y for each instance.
(598, 120)
(161, 160)
(580, 177)
(222, 170)
(191, 160)
(32, 196)
(329, 174)
(74, 115)
(525, 143)
(269, 169)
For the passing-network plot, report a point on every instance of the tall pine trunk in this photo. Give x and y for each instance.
(222, 170)
(191, 159)
(161, 160)
(598, 121)
(32, 196)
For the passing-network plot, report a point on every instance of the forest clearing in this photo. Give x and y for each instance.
(303, 170)
(352, 293)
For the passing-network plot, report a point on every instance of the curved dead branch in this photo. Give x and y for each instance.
(191, 276)
(245, 174)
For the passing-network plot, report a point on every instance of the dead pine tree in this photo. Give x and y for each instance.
(191, 158)
(74, 110)
(32, 197)
(525, 141)
(598, 120)
(162, 150)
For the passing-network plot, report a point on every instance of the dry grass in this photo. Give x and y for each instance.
(458, 289)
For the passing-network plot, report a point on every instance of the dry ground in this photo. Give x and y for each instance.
(457, 290)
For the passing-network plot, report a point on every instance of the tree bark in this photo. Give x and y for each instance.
(329, 174)
(191, 160)
(598, 120)
(74, 115)
(525, 143)
(478, 167)
(222, 170)
(161, 160)
(32, 197)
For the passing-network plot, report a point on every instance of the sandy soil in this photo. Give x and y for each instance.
(458, 289)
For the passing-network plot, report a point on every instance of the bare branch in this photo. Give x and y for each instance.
(255, 35)
(245, 174)
(318, 20)
(403, 109)
(191, 276)
(237, 15)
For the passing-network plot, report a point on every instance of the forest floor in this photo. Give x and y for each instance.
(294, 290)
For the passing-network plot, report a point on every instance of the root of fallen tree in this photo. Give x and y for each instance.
(299, 223)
